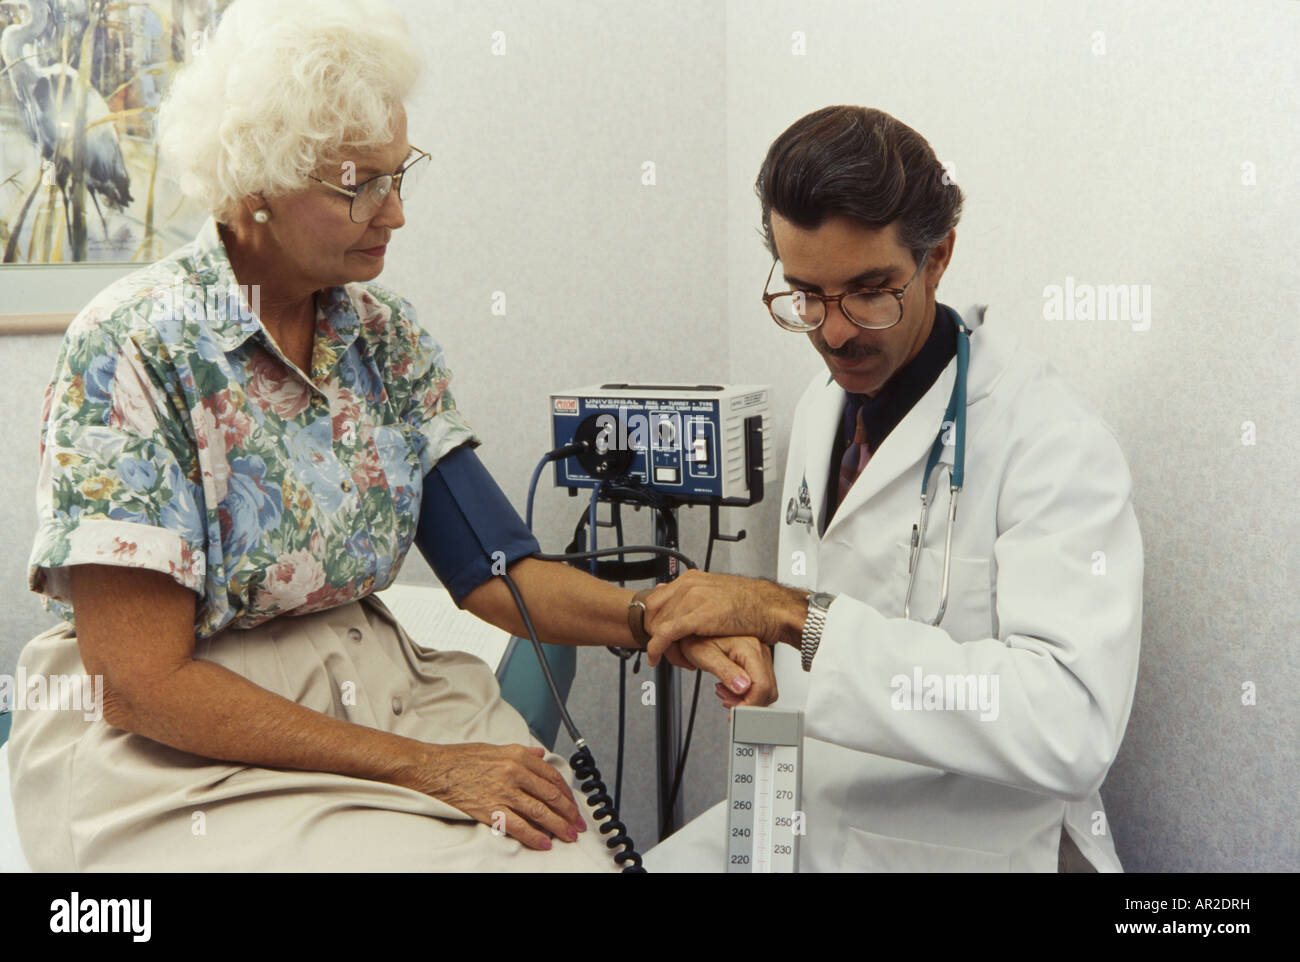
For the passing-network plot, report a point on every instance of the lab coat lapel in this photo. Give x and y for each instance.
(824, 419)
(907, 444)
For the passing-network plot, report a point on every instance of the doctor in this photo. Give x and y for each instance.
(978, 743)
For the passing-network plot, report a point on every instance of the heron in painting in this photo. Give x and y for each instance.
(47, 102)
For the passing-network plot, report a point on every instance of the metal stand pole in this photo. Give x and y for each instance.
(667, 699)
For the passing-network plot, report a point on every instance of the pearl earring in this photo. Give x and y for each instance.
(262, 215)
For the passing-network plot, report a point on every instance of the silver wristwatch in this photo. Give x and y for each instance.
(819, 603)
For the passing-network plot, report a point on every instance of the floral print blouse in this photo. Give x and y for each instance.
(177, 437)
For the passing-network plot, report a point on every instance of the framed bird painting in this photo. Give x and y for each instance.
(80, 85)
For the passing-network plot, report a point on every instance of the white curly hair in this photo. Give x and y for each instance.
(280, 88)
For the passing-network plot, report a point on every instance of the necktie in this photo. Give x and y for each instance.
(856, 456)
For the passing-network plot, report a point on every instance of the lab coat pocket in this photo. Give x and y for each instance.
(969, 613)
(868, 852)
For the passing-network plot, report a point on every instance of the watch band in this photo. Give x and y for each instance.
(636, 617)
(818, 605)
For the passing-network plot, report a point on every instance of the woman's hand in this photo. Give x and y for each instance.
(508, 787)
(742, 664)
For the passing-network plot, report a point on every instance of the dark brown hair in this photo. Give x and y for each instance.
(862, 164)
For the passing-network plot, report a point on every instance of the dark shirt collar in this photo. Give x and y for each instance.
(881, 414)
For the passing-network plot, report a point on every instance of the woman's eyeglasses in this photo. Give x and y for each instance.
(370, 195)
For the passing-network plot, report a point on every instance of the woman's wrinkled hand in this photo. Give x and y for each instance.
(742, 665)
(508, 787)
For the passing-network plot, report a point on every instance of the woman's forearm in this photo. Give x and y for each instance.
(567, 606)
(206, 709)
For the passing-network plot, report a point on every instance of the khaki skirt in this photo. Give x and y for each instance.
(89, 797)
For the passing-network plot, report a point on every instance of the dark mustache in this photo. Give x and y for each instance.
(846, 352)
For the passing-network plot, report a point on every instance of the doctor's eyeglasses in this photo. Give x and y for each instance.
(873, 308)
(370, 195)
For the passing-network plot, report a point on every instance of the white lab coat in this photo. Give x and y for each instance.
(1045, 596)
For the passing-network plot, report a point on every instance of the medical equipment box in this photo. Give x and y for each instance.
(695, 442)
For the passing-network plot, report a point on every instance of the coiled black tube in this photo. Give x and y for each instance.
(584, 767)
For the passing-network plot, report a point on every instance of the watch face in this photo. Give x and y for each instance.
(821, 599)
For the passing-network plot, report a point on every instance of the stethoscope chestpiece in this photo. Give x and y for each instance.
(798, 512)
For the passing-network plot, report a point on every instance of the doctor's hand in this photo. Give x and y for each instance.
(703, 604)
(742, 665)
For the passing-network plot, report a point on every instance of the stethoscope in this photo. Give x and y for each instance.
(799, 509)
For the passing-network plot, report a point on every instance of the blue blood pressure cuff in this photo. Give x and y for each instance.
(468, 525)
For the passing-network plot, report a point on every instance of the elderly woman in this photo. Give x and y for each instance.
(240, 445)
